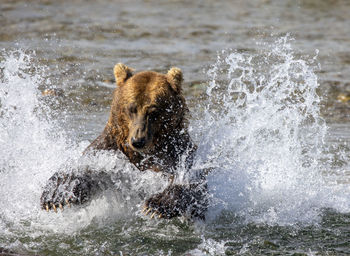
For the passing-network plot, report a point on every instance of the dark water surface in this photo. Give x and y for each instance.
(73, 47)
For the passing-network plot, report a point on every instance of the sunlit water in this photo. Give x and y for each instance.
(278, 181)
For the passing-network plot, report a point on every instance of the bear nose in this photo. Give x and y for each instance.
(138, 142)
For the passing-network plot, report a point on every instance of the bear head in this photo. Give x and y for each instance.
(148, 108)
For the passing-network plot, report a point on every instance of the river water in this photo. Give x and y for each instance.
(263, 80)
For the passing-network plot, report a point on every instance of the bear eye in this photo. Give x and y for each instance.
(153, 112)
(154, 115)
(132, 109)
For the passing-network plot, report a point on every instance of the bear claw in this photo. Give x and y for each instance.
(48, 206)
(67, 202)
(154, 213)
(147, 210)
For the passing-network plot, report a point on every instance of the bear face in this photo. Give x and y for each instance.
(148, 110)
(149, 105)
(148, 121)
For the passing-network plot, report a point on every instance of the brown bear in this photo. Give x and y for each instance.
(148, 124)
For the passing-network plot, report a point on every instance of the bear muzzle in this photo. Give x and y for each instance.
(138, 143)
(140, 138)
(141, 144)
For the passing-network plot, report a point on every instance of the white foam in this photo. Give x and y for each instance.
(34, 146)
(263, 135)
(209, 247)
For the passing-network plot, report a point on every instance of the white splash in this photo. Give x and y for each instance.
(33, 146)
(263, 136)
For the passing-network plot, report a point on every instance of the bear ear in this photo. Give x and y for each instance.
(174, 76)
(122, 73)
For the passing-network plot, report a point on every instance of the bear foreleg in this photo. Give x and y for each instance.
(64, 189)
(179, 200)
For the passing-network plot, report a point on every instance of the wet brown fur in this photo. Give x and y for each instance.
(145, 90)
(150, 106)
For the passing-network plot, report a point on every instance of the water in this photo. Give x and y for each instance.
(264, 115)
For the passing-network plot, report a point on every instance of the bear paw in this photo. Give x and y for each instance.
(65, 189)
(179, 200)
